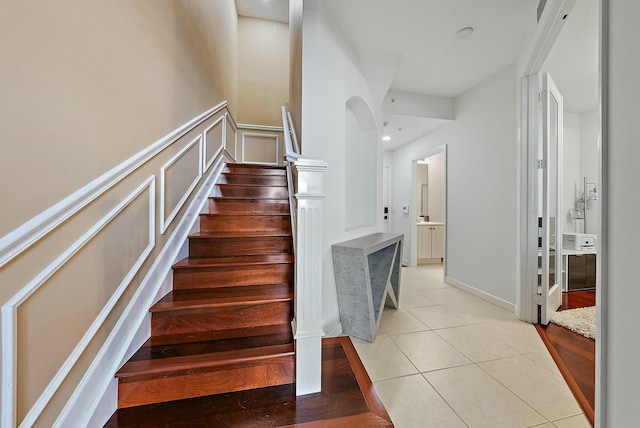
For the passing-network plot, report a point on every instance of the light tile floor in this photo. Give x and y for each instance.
(447, 358)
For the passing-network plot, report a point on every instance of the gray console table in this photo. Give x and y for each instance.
(367, 272)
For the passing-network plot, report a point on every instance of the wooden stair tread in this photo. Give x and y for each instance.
(239, 234)
(347, 399)
(244, 198)
(239, 185)
(210, 262)
(252, 338)
(247, 214)
(224, 296)
(219, 335)
(255, 166)
(190, 363)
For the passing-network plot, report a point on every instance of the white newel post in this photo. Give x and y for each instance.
(307, 320)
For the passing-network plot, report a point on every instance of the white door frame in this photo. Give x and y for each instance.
(413, 212)
(547, 31)
(531, 62)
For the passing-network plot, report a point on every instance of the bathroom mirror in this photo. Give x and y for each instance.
(423, 188)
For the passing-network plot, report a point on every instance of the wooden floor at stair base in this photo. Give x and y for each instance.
(574, 354)
(347, 400)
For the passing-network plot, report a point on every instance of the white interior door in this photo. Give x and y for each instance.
(549, 287)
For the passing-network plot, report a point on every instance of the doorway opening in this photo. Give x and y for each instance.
(428, 208)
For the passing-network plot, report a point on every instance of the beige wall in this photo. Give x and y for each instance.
(263, 71)
(85, 86)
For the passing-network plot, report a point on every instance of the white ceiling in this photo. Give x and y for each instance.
(423, 32)
(431, 60)
(411, 46)
(271, 10)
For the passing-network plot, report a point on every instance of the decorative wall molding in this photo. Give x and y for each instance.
(275, 137)
(23, 237)
(260, 127)
(92, 394)
(166, 221)
(10, 311)
(208, 160)
(231, 124)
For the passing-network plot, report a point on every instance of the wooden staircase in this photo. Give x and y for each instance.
(226, 325)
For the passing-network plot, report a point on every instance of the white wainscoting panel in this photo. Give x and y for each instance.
(10, 309)
(231, 137)
(186, 180)
(23, 237)
(86, 400)
(214, 140)
(165, 220)
(261, 148)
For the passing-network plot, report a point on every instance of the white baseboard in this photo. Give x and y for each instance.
(332, 328)
(482, 294)
(93, 398)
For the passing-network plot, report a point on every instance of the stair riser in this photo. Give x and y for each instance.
(221, 247)
(224, 318)
(232, 276)
(255, 171)
(245, 208)
(253, 223)
(253, 180)
(251, 192)
(162, 388)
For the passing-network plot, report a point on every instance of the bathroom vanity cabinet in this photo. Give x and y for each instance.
(430, 242)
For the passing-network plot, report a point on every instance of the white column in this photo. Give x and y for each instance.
(307, 320)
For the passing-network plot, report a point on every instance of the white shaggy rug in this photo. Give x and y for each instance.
(581, 320)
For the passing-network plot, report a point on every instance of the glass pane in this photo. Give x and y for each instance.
(552, 188)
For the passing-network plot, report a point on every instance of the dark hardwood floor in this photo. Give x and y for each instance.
(574, 354)
(347, 400)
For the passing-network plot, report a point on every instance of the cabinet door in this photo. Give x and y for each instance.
(424, 242)
(437, 242)
(577, 272)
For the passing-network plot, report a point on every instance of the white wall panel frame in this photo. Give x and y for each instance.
(166, 221)
(229, 121)
(207, 162)
(10, 310)
(97, 382)
(261, 135)
(23, 237)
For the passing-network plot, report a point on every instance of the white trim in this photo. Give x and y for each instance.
(235, 137)
(255, 134)
(482, 294)
(165, 222)
(207, 165)
(9, 310)
(86, 400)
(260, 127)
(601, 404)
(333, 328)
(23, 237)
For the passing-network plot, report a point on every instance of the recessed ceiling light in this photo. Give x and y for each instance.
(386, 138)
(465, 32)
